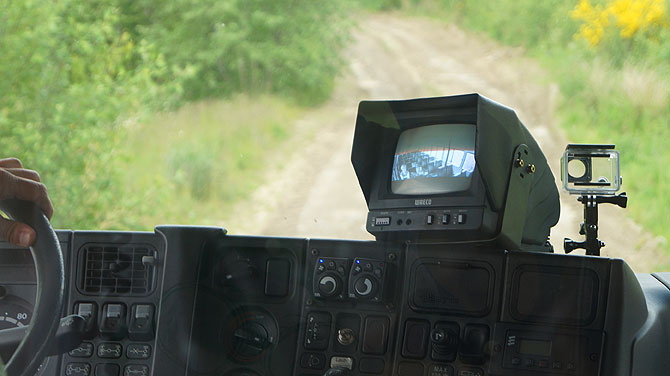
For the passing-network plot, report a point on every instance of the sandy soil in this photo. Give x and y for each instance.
(314, 191)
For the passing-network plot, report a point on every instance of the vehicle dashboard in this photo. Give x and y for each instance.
(196, 301)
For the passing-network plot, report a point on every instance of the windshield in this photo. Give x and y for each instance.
(241, 114)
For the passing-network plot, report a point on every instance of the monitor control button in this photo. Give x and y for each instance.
(462, 218)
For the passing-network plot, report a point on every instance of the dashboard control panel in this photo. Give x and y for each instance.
(195, 301)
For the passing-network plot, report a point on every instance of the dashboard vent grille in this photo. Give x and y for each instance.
(117, 270)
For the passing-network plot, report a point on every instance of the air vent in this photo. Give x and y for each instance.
(117, 270)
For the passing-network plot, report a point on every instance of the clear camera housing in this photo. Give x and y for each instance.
(590, 169)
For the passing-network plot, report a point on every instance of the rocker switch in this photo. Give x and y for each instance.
(89, 312)
(113, 321)
(141, 326)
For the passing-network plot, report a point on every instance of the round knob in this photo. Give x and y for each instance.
(444, 340)
(364, 287)
(250, 339)
(346, 336)
(439, 337)
(330, 285)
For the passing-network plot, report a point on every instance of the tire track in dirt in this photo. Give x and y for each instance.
(314, 192)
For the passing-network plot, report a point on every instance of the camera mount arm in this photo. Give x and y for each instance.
(589, 227)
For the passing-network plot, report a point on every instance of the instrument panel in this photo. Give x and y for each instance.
(196, 301)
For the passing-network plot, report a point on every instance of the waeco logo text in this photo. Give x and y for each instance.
(423, 202)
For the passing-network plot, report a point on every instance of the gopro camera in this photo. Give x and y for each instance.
(590, 169)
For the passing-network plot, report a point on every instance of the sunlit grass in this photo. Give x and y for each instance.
(191, 166)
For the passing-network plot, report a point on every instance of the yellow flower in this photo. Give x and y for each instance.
(630, 17)
(594, 19)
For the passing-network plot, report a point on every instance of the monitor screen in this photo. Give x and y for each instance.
(434, 159)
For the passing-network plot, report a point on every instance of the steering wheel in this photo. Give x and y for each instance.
(50, 289)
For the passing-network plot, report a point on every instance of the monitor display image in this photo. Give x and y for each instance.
(434, 159)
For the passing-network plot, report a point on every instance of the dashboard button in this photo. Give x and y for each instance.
(371, 365)
(445, 219)
(475, 338)
(313, 361)
(375, 335)
(444, 340)
(107, 369)
(317, 333)
(84, 350)
(110, 350)
(136, 370)
(277, 277)
(113, 324)
(88, 311)
(415, 342)
(462, 218)
(138, 351)
(78, 369)
(341, 361)
(141, 326)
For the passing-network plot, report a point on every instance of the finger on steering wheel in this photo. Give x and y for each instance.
(10, 163)
(16, 232)
(12, 186)
(24, 173)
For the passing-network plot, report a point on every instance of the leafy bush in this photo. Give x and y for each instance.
(78, 77)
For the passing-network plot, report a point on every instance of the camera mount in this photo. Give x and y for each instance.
(589, 227)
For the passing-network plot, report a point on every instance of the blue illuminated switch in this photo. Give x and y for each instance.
(445, 219)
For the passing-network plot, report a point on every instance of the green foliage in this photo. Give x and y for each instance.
(79, 77)
(287, 47)
(68, 74)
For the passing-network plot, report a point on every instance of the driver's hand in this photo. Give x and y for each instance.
(19, 183)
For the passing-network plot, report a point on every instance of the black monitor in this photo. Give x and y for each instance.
(453, 169)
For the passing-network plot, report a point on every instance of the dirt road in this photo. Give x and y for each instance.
(314, 191)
